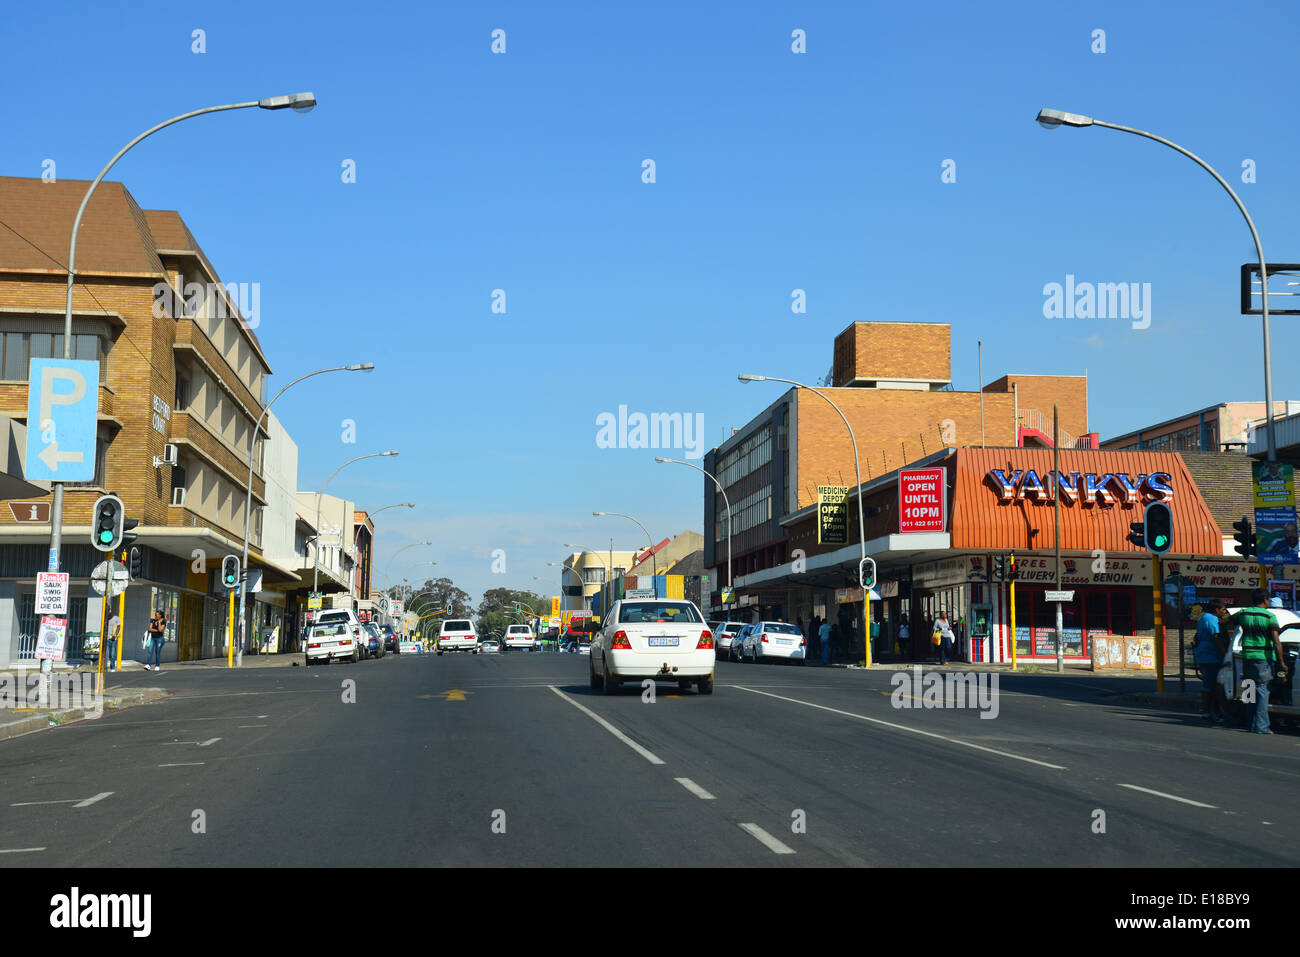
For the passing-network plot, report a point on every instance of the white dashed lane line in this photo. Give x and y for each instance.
(648, 755)
(695, 789)
(1171, 797)
(772, 844)
(20, 850)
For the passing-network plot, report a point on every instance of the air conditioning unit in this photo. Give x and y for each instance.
(169, 456)
(178, 496)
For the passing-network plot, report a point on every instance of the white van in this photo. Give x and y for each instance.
(457, 634)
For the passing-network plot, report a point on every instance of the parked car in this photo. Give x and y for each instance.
(348, 617)
(774, 640)
(457, 634)
(724, 634)
(390, 638)
(329, 641)
(661, 638)
(737, 646)
(519, 637)
(374, 638)
(489, 647)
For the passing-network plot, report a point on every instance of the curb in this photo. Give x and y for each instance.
(48, 719)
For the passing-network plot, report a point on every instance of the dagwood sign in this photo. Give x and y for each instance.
(1081, 488)
(1037, 569)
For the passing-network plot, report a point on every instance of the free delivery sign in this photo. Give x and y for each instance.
(922, 500)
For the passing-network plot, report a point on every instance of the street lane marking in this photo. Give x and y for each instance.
(98, 797)
(75, 802)
(209, 742)
(34, 803)
(231, 717)
(242, 726)
(695, 789)
(183, 764)
(1172, 797)
(773, 845)
(21, 850)
(903, 727)
(649, 756)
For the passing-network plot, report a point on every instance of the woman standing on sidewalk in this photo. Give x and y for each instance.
(157, 635)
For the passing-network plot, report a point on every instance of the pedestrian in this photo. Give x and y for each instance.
(114, 632)
(904, 640)
(824, 635)
(1259, 646)
(156, 637)
(1209, 649)
(944, 631)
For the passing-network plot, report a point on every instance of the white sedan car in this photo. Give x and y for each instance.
(662, 638)
(520, 638)
(770, 640)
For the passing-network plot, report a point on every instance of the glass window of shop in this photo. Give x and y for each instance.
(1095, 611)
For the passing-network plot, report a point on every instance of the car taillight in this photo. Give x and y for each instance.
(802, 643)
(706, 640)
(346, 641)
(764, 639)
(315, 644)
(620, 641)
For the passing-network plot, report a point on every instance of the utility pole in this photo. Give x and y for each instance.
(1056, 507)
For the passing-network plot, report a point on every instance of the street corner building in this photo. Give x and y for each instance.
(951, 482)
(182, 384)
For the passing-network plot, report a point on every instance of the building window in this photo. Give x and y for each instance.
(594, 576)
(19, 348)
(182, 396)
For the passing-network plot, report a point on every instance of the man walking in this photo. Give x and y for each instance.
(114, 632)
(904, 640)
(1259, 644)
(1209, 648)
(824, 633)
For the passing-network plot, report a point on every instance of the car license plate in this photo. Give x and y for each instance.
(660, 641)
(785, 641)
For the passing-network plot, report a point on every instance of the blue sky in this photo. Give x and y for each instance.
(774, 171)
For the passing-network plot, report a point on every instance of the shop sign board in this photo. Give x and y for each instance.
(1215, 574)
(1275, 517)
(922, 500)
(1081, 488)
(832, 515)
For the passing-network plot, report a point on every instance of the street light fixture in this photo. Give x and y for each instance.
(660, 458)
(582, 585)
(395, 554)
(315, 581)
(297, 101)
(862, 525)
(383, 508)
(654, 561)
(1054, 118)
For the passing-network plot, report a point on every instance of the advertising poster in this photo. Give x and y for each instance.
(832, 515)
(50, 639)
(1275, 518)
(922, 500)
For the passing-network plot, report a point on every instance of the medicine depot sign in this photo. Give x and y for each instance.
(1081, 488)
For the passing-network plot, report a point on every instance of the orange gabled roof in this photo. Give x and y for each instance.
(981, 520)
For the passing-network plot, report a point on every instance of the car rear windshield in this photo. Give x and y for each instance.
(520, 630)
(780, 628)
(456, 626)
(653, 611)
(731, 627)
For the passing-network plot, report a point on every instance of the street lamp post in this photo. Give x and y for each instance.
(862, 525)
(299, 102)
(654, 561)
(730, 582)
(248, 488)
(385, 507)
(582, 585)
(609, 569)
(389, 566)
(1051, 119)
(315, 578)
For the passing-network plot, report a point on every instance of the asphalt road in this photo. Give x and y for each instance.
(782, 766)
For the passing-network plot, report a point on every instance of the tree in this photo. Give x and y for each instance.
(438, 594)
(496, 610)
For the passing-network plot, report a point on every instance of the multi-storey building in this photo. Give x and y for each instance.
(1228, 426)
(177, 369)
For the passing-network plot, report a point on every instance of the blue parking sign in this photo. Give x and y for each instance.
(62, 420)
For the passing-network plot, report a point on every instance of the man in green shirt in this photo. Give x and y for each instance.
(1261, 653)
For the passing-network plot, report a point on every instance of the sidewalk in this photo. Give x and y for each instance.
(18, 721)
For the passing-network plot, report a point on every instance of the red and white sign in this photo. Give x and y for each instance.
(52, 593)
(51, 637)
(922, 500)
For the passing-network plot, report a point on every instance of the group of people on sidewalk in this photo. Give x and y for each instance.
(1262, 658)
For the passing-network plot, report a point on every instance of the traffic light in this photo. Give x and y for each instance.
(107, 523)
(1000, 568)
(1138, 534)
(137, 563)
(1011, 568)
(230, 571)
(129, 536)
(867, 573)
(1247, 542)
(1159, 527)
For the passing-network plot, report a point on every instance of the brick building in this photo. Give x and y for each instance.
(188, 374)
(892, 380)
